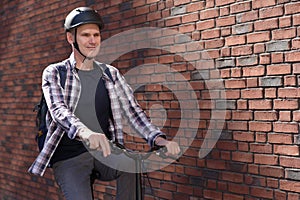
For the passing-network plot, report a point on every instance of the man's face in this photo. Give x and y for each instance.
(89, 39)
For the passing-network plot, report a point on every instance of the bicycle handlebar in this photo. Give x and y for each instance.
(160, 151)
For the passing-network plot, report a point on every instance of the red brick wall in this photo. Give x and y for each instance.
(253, 48)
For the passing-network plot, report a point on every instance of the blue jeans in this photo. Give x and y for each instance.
(74, 177)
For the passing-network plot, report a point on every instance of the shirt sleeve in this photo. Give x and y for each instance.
(55, 97)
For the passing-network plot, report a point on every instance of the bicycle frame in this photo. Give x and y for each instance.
(138, 158)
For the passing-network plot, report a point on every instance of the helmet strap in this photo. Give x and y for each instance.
(76, 45)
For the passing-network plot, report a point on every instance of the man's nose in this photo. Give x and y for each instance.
(92, 39)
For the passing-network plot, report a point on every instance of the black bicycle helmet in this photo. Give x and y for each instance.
(82, 15)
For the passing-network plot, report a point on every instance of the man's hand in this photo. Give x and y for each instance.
(97, 141)
(172, 147)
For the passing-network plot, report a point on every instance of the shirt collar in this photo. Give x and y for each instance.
(72, 61)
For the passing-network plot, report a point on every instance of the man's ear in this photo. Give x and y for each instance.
(70, 38)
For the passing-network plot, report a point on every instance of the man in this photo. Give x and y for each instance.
(87, 111)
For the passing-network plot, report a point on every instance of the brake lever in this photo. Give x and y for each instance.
(162, 152)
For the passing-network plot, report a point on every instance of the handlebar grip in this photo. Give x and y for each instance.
(163, 153)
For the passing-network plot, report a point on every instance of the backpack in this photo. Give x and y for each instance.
(41, 108)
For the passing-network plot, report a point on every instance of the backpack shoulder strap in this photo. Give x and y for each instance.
(105, 69)
(63, 75)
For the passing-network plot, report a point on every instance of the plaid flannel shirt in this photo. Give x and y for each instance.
(62, 103)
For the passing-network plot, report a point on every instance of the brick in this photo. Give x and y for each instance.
(285, 21)
(247, 60)
(289, 93)
(225, 31)
(153, 16)
(261, 4)
(224, 11)
(259, 48)
(209, 4)
(241, 50)
(295, 43)
(272, 171)
(243, 147)
(291, 150)
(266, 24)
(235, 84)
(125, 6)
(260, 104)
(277, 57)
(271, 12)
(247, 16)
(242, 28)
(265, 115)
(173, 21)
(240, 7)
(142, 10)
(236, 72)
(284, 33)
(292, 57)
(280, 138)
(242, 157)
(243, 136)
(225, 21)
(237, 125)
(293, 196)
(265, 58)
(195, 6)
(235, 40)
(181, 2)
(258, 37)
(238, 188)
(215, 43)
(233, 196)
(292, 8)
(270, 81)
(211, 194)
(290, 80)
(178, 10)
(190, 18)
(264, 159)
(252, 94)
(211, 33)
(232, 94)
(293, 174)
(296, 19)
(187, 28)
(205, 24)
(261, 192)
(260, 126)
(209, 13)
(228, 62)
(216, 164)
(261, 148)
(224, 2)
(273, 183)
(290, 162)
(270, 93)
(293, 186)
(281, 69)
(285, 104)
(296, 68)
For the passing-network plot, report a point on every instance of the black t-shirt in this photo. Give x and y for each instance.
(93, 109)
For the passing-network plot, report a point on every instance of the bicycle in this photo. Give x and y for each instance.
(139, 157)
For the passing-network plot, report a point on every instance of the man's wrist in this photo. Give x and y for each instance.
(161, 141)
